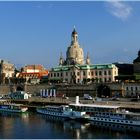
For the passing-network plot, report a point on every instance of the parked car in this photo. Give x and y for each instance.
(87, 97)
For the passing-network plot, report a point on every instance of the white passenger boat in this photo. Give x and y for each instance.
(108, 113)
(59, 111)
(17, 108)
(63, 111)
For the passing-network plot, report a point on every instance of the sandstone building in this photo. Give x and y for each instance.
(74, 69)
(7, 71)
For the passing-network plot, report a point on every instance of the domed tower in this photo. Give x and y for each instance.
(74, 54)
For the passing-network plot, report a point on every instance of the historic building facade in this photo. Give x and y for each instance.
(74, 69)
(33, 73)
(7, 71)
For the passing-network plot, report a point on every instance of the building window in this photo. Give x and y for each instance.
(109, 79)
(84, 73)
(78, 73)
(104, 72)
(136, 88)
(131, 88)
(100, 72)
(127, 88)
(78, 80)
(96, 73)
(61, 74)
(66, 74)
(89, 73)
(109, 72)
(92, 73)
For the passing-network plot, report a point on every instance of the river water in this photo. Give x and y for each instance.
(36, 126)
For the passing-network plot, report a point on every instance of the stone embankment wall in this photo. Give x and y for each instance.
(4, 89)
(69, 90)
(74, 90)
(35, 89)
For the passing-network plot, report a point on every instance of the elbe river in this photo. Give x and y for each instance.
(36, 126)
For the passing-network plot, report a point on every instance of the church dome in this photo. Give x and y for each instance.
(75, 52)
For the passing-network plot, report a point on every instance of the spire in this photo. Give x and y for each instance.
(61, 59)
(88, 59)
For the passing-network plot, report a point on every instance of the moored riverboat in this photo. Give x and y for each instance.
(108, 113)
(58, 111)
(63, 111)
(15, 108)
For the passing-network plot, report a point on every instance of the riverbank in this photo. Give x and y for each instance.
(33, 102)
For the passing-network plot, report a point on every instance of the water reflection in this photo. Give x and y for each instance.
(68, 126)
(8, 120)
(118, 128)
(11, 114)
(37, 126)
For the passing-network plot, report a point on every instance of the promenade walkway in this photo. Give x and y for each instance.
(58, 101)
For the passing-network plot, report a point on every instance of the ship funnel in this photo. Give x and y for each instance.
(77, 100)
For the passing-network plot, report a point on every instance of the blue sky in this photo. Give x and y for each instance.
(36, 32)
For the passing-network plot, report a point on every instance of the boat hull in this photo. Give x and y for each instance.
(115, 121)
(52, 113)
(118, 127)
(14, 110)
